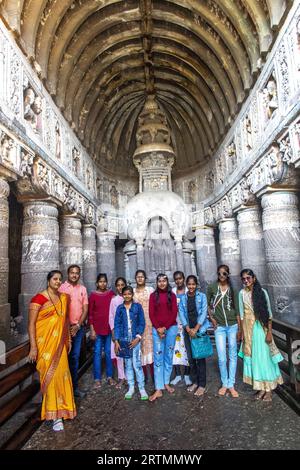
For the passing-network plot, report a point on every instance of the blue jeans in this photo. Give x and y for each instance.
(221, 333)
(102, 341)
(75, 355)
(163, 356)
(134, 364)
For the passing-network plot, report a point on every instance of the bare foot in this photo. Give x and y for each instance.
(192, 388)
(259, 395)
(199, 392)
(222, 391)
(97, 384)
(234, 393)
(169, 389)
(156, 394)
(120, 384)
(111, 381)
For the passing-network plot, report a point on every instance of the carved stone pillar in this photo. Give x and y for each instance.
(187, 249)
(140, 253)
(206, 257)
(70, 243)
(130, 260)
(179, 254)
(89, 256)
(4, 220)
(252, 241)
(282, 243)
(106, 255)
(40, 237)
(230, 248)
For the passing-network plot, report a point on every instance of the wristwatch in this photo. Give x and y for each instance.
(138, 336)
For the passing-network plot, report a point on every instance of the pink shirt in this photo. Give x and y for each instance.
(78, 298)
(115, 302)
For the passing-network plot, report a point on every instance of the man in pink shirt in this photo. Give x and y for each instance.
(78, 311)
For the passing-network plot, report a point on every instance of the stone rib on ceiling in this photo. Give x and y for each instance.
(98, 58)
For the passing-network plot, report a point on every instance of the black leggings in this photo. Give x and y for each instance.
(177, 368)
(198, 366)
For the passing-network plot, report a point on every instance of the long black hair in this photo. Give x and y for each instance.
(52, 273)
(100, 276)
(231, 291)
(120, 279)
(169, 290)
(142, 272)
(259, 300)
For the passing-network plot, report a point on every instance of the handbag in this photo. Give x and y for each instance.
(125, 351)
(201, 346)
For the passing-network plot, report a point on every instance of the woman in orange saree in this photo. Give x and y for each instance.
(49, 345)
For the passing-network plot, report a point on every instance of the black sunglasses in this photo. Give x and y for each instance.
(223, 273)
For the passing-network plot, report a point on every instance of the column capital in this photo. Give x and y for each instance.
(88, 225)
(39, 208)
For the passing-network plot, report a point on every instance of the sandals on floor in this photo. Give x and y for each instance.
(234, 393)
(267, 397)
(222, 391)
(200, 392)
(58, 425)
(259, 395)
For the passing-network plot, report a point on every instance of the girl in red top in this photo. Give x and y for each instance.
(163, 315)
(99, 303)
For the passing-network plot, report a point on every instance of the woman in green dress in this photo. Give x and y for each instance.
(260, 354)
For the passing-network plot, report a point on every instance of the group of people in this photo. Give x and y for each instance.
(149, 332)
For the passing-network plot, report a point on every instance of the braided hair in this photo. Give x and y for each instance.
(259, 300)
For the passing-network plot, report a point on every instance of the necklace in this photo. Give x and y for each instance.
(59, 314)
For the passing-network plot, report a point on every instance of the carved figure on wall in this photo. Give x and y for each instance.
(193, 192)
(270, 97)
(26, 167)
(57, 141)
(32, 107)
(248, 133)
(89, 178)
(220, 170)
(75, 161)
(232, 157)
(114, 196)
(210, 177)
(7, 150)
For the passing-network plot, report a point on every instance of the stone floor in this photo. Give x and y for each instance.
(106, 421)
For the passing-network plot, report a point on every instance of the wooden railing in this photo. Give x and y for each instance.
(287, 339)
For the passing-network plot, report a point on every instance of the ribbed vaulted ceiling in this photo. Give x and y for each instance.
(99, 59)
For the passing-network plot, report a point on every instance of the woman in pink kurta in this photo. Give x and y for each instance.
(142, 295)
(115, 302)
